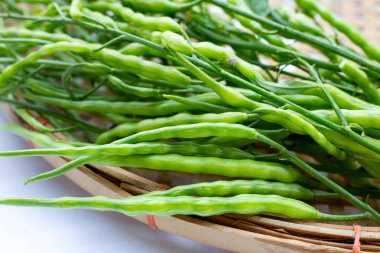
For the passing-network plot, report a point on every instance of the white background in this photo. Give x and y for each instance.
(53, 231)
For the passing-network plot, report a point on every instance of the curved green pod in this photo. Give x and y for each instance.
(237, 168)
(252, 204)
(127, 129)
(161, 6)
(161, 108)
(152, 23)
(364, 118)
(185, 148)
(236, 187)
(128, 63)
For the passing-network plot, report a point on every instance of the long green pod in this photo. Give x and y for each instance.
(200, 130)
(310, 102)
(236, 187)
(79, 12)
(51, 90)
(236, 168)
(160, 23)
(230, 96)
(187, 148)
(297, 124)
(160, 108)
(192, 131)
(351, 147)
(359, 77)
(342, 99)
(364, 118)
(372, 167)
(129, 63)
(42, 140)
(312, 6)
(138, 49)
(11, 32)
(127, 129)
(207, 107)
(299, 21)
(252, 204)
(256, 27)
(161, 6)
(32, 121)
(134, 90)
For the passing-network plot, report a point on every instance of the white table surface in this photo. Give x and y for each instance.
(53, 231)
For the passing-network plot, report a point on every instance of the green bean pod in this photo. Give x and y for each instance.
(138, 49)
(11, 32)
(253, 204)
(190, 149)
(39, 139)
(32, 121)
(236, 187)
(152, 23)
(127, 129)
(160, 108)
(310, 102)
(254, 26)
(342, 99)
(230, 96)
(236, 168)
(49, 90)
(134, 90)
(207, 107)
(364, 118)
(176, 42)
(131, 64)
(160, 6)
(298, 124)
(350, 146)
(372, 167)
(299, 21)
(79, 12)
(192, 131)
(359, 77)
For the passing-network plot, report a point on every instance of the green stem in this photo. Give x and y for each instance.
(332, 102)
(323, 195)
(352, 217)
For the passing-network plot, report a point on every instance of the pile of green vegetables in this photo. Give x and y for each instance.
(220, 87)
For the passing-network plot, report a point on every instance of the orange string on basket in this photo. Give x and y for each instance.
(151, 222)
(150, 218)
(162, 187)
(357, 233)
(30, 144)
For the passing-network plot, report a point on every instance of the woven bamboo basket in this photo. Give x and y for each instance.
(239, 233)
